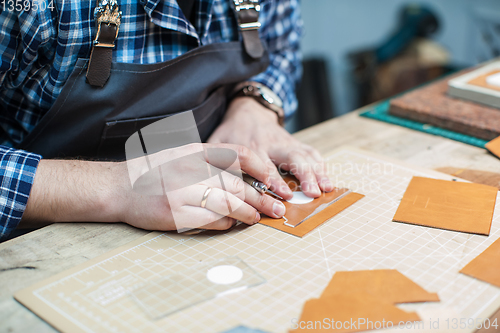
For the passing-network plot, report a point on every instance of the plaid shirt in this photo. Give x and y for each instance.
(39, 50)
(17, 172)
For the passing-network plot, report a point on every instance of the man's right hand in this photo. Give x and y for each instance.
(66, 191)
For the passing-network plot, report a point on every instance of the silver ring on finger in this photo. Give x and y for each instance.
(205, 197)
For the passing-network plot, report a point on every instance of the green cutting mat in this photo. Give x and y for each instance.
(381, 112)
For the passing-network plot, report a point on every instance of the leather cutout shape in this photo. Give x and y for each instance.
(494, 146)
(362, 300)
(388, 285)
(299, 215)
(458, 206)
(485, 266)
(481, 81)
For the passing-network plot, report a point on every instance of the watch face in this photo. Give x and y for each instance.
(270, 96)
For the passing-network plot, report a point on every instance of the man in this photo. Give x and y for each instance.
(148, 59)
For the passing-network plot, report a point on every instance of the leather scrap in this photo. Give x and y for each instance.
(346, 310)
(474, 176)
(485, 266)
(296, 213)
(449, 205)
(385, 284)
(362, 300)
(481, 81)
(494, 146)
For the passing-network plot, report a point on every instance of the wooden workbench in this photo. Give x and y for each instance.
(40, 254)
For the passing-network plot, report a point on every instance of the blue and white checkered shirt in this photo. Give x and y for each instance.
(39, 49)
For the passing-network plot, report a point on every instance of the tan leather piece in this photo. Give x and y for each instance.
(370, 295)
(313, 222)
(388, 285)
(347, 309)
(494, 146)
(458, 206)
(481, 81)
(485, 266)
(472, 175)
(295, 213)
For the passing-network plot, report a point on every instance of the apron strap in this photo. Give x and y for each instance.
(247, 14)
(108, 19)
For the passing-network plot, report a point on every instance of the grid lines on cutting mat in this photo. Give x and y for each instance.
(361, 237)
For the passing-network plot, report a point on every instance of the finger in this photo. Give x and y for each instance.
(303, 170)
(214, 139)
(276, 182)
(228, 182)
(264, 203)
(190, 217)
(325, 184)
(313, 152)
(248, 160)
(205, 219)
(222, 203)
(316, 161)
(225, 203)
(210, 220)
(222, 224)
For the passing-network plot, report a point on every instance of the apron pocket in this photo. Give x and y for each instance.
(208, 116)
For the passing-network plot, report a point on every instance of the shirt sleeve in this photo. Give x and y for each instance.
(17, 173)
(282, 29)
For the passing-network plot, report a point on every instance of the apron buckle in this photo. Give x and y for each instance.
(108, 19)
(107, 12)
(246, 4)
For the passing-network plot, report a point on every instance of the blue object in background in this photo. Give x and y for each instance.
(414, 21)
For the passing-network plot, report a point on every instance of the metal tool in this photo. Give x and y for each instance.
(259, 186)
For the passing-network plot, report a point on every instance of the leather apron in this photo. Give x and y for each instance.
(94, 122)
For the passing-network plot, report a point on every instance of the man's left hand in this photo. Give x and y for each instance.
(250, 124)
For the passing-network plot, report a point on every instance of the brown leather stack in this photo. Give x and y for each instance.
(432, 105)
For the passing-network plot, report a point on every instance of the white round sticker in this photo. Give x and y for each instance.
(224, 274)
(300, 198)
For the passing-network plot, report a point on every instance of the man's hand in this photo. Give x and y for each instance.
(72, 191)
(250, 124)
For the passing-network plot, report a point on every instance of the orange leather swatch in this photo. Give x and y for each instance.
(485, 266)
(481, 81)
(367, 295)
(494, 146)
(346, 310)
(296, 213)
(388, 285)
(465, 207)
(314, 221)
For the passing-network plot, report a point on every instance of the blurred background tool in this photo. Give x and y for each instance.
(407, 58)
(467, 33)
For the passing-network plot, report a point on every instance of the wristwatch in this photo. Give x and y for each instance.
(264, 96)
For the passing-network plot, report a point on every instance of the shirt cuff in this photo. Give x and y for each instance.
(17, 173)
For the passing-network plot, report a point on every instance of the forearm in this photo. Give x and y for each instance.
(72, 190)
